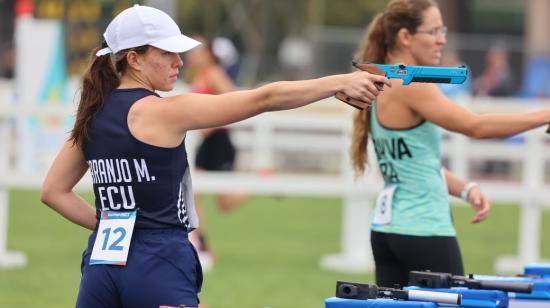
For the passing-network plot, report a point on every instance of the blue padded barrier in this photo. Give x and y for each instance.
(335, 302)
(539, 269)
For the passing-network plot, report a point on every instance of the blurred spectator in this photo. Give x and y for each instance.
(216, 151)
(496, 79)
(295, 57)
(455, 91)
(7, 61)
(536, 80)
(228, 56)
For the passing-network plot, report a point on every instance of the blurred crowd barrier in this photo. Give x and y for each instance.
(305, 152)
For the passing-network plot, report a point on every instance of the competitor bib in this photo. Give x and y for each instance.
(383, 210)
(114, 233)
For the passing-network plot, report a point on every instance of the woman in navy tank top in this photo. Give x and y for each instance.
(132, 142)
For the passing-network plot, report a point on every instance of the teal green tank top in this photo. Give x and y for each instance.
(410, 162)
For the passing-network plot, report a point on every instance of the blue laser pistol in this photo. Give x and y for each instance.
(409, 73)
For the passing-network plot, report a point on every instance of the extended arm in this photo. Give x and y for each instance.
(57, 190)
(196, 111)
(431, 104)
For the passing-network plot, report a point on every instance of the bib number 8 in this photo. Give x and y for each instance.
(114, 245)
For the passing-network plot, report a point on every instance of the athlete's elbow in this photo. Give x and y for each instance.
(475, 133)
(47, 194)
(477, 130)
(483, 132)
(271, 97)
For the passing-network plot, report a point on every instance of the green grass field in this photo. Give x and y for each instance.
(267, 252)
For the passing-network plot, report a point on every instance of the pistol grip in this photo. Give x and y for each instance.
(373, 69)
(351, 101)
(370, 67)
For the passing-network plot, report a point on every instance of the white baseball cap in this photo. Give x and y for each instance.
(144, 25)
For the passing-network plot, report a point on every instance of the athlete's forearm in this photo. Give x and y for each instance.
(284, 95)
(454, 183)
(503, 125)
(360, 86)
(73, 207)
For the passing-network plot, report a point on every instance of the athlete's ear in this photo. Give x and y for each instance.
(133, 60)
(404, 37)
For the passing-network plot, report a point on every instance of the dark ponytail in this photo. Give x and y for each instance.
(380, 40)
(99, 79)
(373, 49)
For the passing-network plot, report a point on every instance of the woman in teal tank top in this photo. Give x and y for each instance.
(412, 227)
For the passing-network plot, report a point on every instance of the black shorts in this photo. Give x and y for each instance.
(216, 152)
(395, 255)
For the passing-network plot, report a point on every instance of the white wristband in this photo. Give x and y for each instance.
(466, 190)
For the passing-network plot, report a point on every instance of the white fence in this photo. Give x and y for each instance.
(324, 128)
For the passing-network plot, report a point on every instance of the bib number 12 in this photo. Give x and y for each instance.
(115, 244)
(113, 238)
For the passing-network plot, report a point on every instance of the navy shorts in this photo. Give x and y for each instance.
(162, 270)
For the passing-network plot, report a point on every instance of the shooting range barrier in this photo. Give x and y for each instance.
(313, 129)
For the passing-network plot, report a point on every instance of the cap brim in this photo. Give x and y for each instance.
(177, 43)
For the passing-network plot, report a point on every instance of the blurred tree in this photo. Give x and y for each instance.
(351, 13)
(54, 9)
(453, 13)
(487, 16)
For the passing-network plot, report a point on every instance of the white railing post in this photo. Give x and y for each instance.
(530, 208)
(262, 151)
(356, 254)
(7, 259)
(458, 154)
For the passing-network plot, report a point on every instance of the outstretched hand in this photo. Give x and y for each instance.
(480, 203)
(362, 88)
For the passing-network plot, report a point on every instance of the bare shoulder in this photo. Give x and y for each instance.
(418, 90)
(154, 103)
(416, 93)
(151, 107)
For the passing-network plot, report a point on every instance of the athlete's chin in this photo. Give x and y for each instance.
(435, 61)
(166, 88)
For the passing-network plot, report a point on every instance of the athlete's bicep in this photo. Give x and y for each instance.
(431, 104)
(197, 111)
(66, 171)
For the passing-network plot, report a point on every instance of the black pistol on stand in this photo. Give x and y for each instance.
(352, 290)
(434, 280)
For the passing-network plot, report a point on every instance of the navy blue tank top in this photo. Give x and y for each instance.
(129, 174)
